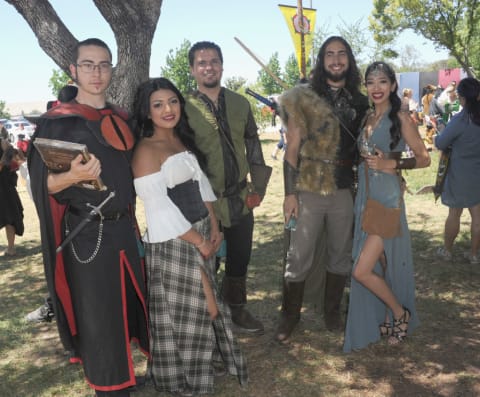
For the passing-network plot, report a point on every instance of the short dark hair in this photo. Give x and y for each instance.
(203, 45)
(91, 41)
(319, 76)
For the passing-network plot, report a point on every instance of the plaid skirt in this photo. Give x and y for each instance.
(184, 341)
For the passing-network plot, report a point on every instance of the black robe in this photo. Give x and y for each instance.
(99, 304)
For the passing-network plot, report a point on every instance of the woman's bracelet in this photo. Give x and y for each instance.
(202, 243)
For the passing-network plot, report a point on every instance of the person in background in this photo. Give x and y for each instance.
(461, 189)
(409, 105)
(22, 144)
(428, 94)
(430, 125)
(11, 209)
(281, 145)
(452, 105)
(226, 133)
(382, 292)
(96, 281)
(318, 179)
(181, 240)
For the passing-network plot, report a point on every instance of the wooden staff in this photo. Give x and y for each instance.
(303, 66)
(265, 67)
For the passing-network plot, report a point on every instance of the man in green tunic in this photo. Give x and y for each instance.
(226, 133)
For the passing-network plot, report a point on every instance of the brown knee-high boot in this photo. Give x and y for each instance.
(291, 307)
(234, 293)
(335, 284)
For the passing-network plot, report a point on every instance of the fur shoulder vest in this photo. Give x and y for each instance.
(320, 137)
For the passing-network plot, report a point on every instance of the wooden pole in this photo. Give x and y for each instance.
(303, 65)
(265, 67)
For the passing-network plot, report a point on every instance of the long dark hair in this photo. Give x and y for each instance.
(143, 125)
(395, 101)
(319, 75)
(469, 88)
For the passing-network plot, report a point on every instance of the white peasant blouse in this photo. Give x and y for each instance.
(164, 219)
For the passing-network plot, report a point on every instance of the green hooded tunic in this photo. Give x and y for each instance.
(208, 140)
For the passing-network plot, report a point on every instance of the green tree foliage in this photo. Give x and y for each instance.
(268, 83)
(3, 112)
(58, 80)
(357, 37)
(409, 59)
(291, 76)
(235, 83)
(450, 24)
(177, 68)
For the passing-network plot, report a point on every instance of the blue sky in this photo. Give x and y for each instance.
(259, 24)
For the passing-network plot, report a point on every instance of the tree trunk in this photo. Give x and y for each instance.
(133, 23)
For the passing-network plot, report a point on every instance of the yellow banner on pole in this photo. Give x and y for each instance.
(297, 26)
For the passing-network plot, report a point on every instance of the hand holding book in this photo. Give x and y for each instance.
(61, 156)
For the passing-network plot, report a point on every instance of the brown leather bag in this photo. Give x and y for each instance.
(378, 219)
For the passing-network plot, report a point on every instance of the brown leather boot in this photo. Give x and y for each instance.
(291, 306)
(335, 284)
(234, 292)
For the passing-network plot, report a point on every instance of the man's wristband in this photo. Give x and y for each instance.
(290, 176)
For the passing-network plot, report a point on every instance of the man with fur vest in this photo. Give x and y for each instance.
(323, 119)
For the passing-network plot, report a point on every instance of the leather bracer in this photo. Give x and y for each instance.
(290, 176)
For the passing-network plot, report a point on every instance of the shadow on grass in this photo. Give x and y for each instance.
(439, 359)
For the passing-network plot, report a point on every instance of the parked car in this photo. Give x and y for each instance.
(16, 127)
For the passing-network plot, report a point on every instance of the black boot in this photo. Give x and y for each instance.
(234, 292)
(291, 306)
(335, 284)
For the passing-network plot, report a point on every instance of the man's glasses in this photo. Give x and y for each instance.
(89, 67)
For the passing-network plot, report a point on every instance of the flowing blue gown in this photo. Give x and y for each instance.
(366, 312)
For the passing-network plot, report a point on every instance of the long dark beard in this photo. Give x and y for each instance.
(336, 77)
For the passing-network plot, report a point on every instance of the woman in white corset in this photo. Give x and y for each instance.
(190, 327)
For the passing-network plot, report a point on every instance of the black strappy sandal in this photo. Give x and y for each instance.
(400, 328)
(386, 329)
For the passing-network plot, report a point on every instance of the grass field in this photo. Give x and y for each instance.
(442, 358)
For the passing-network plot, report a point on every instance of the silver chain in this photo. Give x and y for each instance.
(97, 247)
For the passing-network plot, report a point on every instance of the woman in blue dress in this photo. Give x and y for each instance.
(382, 293)
(462, 189)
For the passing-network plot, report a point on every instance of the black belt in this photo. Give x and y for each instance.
(107, 216)
(336, 162)
(232, 191)
(388, 156)
(392, 155)
(343, 163)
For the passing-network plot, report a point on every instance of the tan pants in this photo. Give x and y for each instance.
(331, 215)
